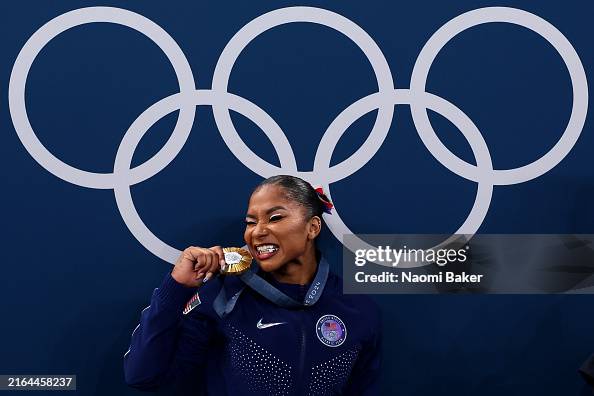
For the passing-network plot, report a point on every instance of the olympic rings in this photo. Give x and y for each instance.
(323, 174)
(22, 65)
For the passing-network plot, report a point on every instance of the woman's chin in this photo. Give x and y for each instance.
(270, 264)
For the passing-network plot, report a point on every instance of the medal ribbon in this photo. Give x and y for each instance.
(223, 306)
(271, 293)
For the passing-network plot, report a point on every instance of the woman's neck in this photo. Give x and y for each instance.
(299, 271)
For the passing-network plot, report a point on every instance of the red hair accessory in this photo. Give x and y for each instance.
(327, 204)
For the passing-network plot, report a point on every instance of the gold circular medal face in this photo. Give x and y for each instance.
(237, 261)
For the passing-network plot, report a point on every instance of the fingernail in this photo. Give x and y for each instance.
(206, 279)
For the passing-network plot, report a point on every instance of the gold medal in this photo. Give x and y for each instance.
(237, 261)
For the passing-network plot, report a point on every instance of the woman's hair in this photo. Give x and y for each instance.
(297, 190)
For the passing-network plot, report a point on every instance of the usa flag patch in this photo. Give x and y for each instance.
(193, 303)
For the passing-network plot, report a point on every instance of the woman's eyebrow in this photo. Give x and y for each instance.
(268, 211)
(275, 208)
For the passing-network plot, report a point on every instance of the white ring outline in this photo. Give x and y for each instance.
(554, 37)
(61, 23)
(319, 16)
(141, 126)
(455, 116)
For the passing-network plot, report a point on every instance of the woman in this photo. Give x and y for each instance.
(284, 328)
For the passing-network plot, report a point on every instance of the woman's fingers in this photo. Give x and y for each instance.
(187, 266)
(200, 260)
(196, 265)
(204, 262)
(218, 259)
(220, 254)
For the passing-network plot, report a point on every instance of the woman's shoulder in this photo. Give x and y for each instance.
(363, 303)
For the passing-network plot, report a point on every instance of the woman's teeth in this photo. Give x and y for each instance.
(262, 249)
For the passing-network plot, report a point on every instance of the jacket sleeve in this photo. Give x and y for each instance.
(168, 348)
(365, 375)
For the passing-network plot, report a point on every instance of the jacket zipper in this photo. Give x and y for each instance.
(301, 369)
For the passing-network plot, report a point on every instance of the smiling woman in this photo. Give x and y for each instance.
(284, 218)
(284, 329)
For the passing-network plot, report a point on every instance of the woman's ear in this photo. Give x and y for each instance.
(315, 226)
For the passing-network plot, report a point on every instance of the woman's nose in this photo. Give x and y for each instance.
(260, 229)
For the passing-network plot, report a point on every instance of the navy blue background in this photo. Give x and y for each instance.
(74, 278)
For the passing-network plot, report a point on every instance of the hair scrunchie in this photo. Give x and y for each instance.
(327, 204)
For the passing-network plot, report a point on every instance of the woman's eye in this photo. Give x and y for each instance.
(250, 222)
(275, 217)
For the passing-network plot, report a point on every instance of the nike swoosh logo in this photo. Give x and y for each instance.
(261, 325)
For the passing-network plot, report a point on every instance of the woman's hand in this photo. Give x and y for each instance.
(196, 265)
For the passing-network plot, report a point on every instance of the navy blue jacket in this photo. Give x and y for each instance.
(329, 348)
